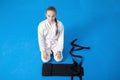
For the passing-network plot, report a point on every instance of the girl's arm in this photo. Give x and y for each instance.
(61, 38)
(41, 38)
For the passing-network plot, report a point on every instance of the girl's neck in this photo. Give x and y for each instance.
(51, 22)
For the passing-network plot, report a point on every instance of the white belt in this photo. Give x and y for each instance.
(50, 43)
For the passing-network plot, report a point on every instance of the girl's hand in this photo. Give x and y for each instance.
(45, 55)
(59, 54)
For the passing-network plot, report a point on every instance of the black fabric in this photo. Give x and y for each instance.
(61, 70)
(72, 70)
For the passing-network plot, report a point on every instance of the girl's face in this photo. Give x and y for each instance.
(50, 14)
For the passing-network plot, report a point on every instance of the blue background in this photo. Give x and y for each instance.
(96, 23)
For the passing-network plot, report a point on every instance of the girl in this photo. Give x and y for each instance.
(51, 36)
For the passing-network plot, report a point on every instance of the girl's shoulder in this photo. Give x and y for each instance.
(60, 23)
(43, 22)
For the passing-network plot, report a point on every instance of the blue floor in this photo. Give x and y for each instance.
(96, 23)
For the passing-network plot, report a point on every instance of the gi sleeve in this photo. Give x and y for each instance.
(41, 37)
(61, 38)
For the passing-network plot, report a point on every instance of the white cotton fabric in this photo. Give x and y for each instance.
(48, 40)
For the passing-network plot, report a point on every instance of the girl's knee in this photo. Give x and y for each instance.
(45, 60)
(58, 57)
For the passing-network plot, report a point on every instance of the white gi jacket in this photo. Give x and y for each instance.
(47, 38)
